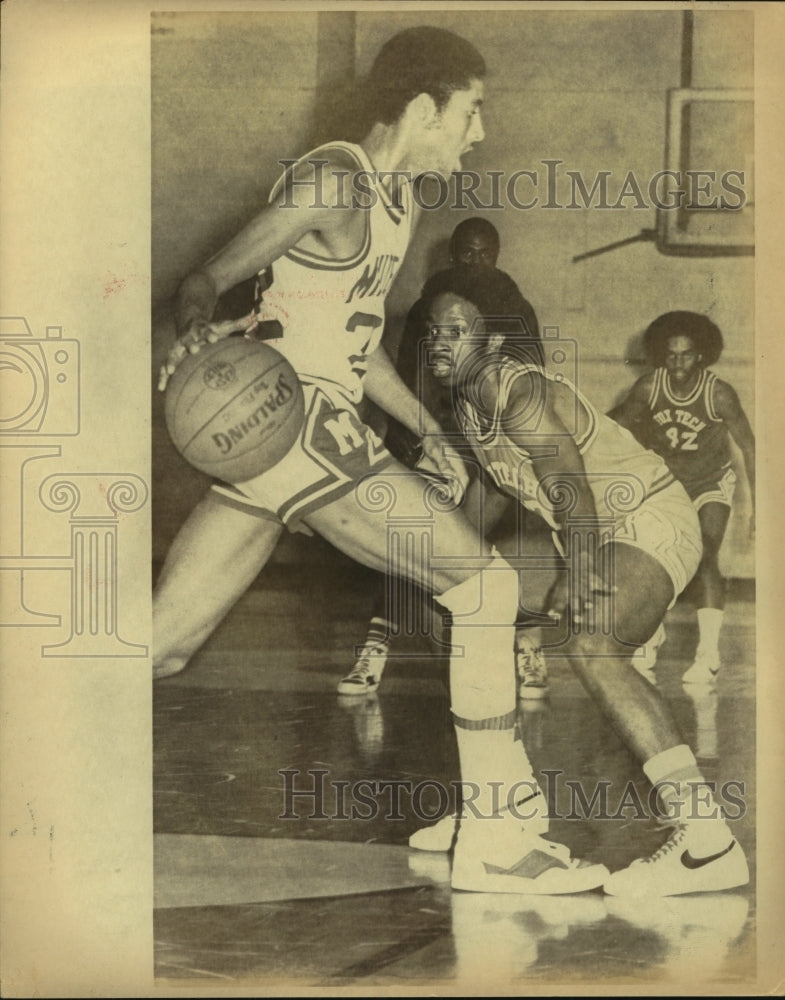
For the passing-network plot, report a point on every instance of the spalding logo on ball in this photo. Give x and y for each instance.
(234, 409)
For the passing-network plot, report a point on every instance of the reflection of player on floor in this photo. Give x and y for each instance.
(685, 413)
(545, 446)
(475, 243)
(324, 270)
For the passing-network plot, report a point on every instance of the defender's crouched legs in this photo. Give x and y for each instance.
(714, 860)
(634, 707)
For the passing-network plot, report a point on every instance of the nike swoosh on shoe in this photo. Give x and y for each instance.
(692, 863)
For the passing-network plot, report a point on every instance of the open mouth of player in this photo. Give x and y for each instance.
(441, 363)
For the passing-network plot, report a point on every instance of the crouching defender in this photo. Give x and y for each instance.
(628, 526)
(425, 91)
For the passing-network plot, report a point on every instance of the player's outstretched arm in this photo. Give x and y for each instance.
(728, 408)
(632, 411)
(276, 229)
(542, 434)
(383, 385)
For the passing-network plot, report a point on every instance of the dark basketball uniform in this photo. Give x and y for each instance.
(634, 491)
(692, 438)
(326, 316)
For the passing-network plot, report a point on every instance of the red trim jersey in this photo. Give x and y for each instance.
(325, 315)
(620, 472)
(688, 433)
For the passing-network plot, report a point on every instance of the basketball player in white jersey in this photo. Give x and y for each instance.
(686, 414)
(615, 509)
(324, 265)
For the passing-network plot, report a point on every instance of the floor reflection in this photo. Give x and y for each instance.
(248, 891)
(695, 934)
(498, 938)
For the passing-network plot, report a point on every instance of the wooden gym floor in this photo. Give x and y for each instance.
(322, 900)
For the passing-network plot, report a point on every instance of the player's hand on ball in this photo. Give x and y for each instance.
(198, 333)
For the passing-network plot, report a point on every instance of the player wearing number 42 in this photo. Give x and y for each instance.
(682, 411)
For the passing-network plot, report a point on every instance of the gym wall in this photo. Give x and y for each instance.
(233, 93)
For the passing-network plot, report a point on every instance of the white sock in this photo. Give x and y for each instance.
(709, 625)
(686, 797)
(483, 687)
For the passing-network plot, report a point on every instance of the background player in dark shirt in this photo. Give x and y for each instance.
(474, 242)
(686, 414)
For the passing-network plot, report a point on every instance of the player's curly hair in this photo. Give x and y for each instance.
(422, 60)
(497, 298)
(704, 334)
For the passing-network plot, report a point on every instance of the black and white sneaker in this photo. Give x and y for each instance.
(531, 668)
(681, 866)
(366, 674)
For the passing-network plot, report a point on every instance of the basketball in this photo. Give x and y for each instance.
(234, 409)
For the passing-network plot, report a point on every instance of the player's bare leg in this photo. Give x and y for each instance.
(215, 557)
(483, 510)
(636, 710)
(702, 854)
(481, 592)
(710, 591)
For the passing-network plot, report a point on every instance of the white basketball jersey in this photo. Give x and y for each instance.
(325, 315)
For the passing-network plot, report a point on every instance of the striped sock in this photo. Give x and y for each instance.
(378, 632)
(496, 773)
